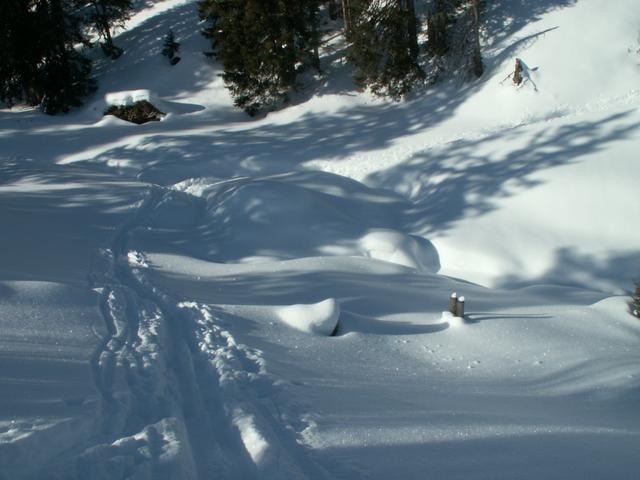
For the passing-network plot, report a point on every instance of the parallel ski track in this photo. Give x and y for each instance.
(208, 375)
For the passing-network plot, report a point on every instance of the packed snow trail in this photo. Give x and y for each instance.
(510, 187)
(346, 396)
(169, 366)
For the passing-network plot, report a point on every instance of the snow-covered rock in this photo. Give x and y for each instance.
(127, 98)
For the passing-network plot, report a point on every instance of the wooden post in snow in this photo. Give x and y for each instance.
(517, 73)
(460, 307)
(453, 300)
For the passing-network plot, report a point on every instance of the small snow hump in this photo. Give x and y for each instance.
(320, 318)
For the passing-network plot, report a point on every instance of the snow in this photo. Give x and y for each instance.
(168, 290)
(321, 318)
(48, 402)
(395, 247)
(254, 442)
(127, 98)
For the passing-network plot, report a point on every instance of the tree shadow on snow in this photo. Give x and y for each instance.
(464, 178)
(571, 268)
(143, 66)
(564, 454)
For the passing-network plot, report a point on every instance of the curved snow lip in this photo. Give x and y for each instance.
(282, 217)
(401, 249)
(318, 318)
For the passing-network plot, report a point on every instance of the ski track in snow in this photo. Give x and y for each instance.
(181, 397)
(218, 422)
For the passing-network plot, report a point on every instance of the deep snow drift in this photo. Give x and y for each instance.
(168, 290)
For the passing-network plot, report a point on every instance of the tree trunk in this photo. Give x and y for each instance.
(478, 68)
(412, 28)
(102, 25)
(346, 15)
(316, 40)
(333, 9)
(437, 30)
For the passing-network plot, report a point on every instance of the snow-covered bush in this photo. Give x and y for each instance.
(139, 112)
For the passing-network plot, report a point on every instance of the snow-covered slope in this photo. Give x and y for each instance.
(169, 291)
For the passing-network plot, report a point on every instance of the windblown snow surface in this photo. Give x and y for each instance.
(167, 291)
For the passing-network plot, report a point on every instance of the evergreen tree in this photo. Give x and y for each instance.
(304, 14)
(106, 14)
(171, 48)
(332, 7)
(437, 44)
(64, 77)
(22, 50)
(40, 64)
(384, 46)
(263, 45)
(348, 8)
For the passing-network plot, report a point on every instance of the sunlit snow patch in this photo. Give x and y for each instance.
(396, 247)
(127, 97)
(257, 446)
(319, 318)
(136, 259)
(452, 320)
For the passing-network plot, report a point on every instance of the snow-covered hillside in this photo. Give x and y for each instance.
(167, 290)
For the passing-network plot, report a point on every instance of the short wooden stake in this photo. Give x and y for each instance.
(517, 72)
(452, 302)
(460, 307)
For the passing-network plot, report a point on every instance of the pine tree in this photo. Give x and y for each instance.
(40, 64)
(105, 15)
(171, 48)
(437, 44)
(384, 46)
(21, 52)
(263, 45)
(65, 75)
(332, 7)
(349, 7)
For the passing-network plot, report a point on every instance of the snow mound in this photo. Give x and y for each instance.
(301, 215)
(160, 447)
(396, 247)
(127, 98)
(452, 320)
(319, 318)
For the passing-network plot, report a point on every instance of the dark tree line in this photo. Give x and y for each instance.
(263, 45)
(384, 45)
(40, 61)
(104, 15)
(266, 45)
